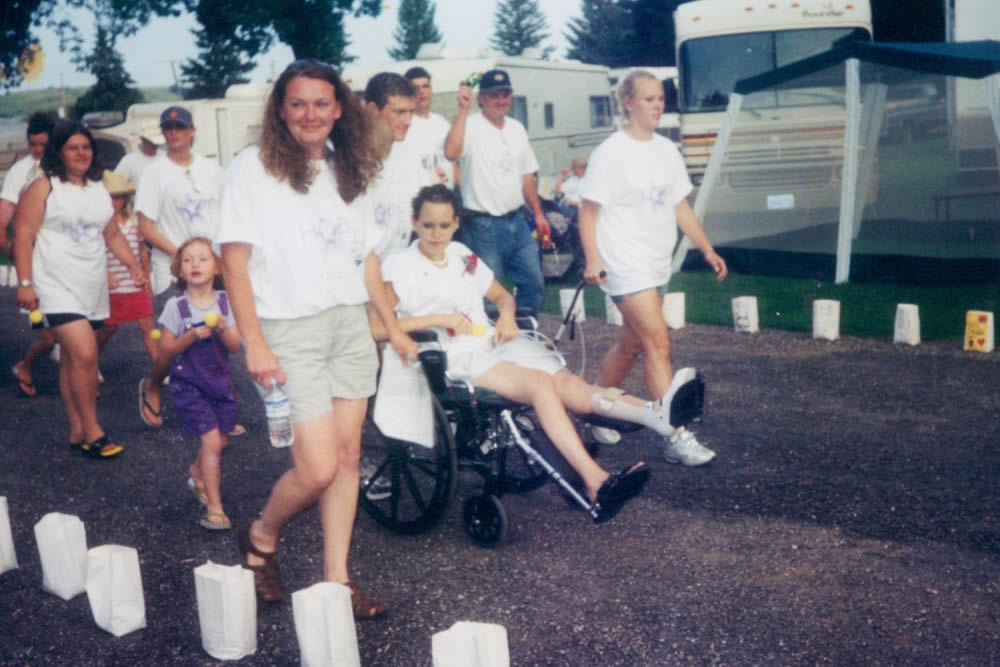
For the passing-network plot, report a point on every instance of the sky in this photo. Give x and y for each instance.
(149, 54)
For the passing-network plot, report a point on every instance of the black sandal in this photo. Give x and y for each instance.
(102, 448)
(618, 489)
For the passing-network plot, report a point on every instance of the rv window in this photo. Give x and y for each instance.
(519, 110)
(550, 115)
(600, 111)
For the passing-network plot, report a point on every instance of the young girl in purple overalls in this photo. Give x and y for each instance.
(198, 332)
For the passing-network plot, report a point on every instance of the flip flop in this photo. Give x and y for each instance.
(215, 521)
(102, 448)
(144, 406)
(26, 388)
(198, 490)
(237, 431)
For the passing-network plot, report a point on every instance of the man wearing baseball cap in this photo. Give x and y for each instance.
(498, 178)
(178, 197)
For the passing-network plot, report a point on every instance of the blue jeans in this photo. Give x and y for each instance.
(506, 245)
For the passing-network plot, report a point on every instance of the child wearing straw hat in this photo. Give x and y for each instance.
(129, 302)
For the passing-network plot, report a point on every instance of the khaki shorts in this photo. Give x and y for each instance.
(324, 356)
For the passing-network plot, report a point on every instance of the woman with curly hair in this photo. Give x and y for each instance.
(297, 235)
(63, 221)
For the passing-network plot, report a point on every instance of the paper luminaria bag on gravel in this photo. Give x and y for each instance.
(468, 644)
(62, 548)
(324, 625)
(227, 610)
(8, 556)
(114, 589)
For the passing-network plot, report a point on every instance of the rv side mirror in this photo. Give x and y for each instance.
(669, 96)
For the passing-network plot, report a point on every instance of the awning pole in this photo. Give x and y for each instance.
(850, 173)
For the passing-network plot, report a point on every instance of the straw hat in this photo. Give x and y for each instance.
(116, 184)
(152, 134)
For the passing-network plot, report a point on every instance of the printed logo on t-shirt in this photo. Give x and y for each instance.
(337, 234)
(191, 209)
(659, 195)
(82, 230)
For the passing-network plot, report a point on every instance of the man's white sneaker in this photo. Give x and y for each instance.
(606, 436)
(682, 447)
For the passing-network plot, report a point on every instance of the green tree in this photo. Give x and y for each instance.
(653, 32)
(604, 35)
(416, 27)
(226, 50)
(115, 90)
(519, 25)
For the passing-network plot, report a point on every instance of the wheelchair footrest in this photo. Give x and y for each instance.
(688, 402)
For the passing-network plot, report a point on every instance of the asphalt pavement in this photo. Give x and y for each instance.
(851, 517)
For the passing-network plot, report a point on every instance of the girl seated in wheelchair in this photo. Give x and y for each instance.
(439, 284)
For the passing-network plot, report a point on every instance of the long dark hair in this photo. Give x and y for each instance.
(52, 163)
(355, 158)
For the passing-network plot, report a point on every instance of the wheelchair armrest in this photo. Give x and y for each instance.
(424, 336)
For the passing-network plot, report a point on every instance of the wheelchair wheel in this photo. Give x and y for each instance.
(484, 520)
(420, 482)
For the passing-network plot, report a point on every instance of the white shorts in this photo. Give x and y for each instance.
(469, 357)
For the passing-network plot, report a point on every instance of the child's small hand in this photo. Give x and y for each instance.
(112, 281)
(459, 324)
(202, 332)
(138, 275)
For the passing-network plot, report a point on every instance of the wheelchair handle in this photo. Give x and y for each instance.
(570, 318)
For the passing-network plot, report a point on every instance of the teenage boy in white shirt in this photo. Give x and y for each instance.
(428, 130)
(391, 98)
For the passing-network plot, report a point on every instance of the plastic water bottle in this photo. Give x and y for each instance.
(279, 415)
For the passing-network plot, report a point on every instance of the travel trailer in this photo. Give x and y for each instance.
(784, 170)
(565, 105)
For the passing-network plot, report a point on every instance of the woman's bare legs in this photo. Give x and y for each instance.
(643, 332)
(42, 344)
(537, 389)
(78, 379)
(325, 467)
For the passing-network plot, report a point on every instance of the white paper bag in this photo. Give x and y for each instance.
(614, 316)
(403, 402)
(62, 548)
(826, 319)
(8, 557)
(114, 588)
(566, 298)
(468, 644)
(3, 275)
(324, 625)
(227, 610)
(906, 327)
(745, 318)
(673, 310)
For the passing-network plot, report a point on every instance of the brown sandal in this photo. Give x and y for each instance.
(266, 578)
(365, 607)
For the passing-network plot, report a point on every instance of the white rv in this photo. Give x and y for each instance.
(564, 104)
(974, 141)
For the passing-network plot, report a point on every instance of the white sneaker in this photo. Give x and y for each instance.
(682, 447)
(606, 436)
(54, 354)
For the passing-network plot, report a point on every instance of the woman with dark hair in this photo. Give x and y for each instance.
(297, 236)
(62, 223)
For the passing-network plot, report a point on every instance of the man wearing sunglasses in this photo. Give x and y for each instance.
(498, 178)
(178, 197)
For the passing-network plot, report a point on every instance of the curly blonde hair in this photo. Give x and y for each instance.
(355, 158)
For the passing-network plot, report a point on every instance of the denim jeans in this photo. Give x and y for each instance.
(506, 245)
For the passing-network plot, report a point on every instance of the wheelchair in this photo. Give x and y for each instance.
(476, 429)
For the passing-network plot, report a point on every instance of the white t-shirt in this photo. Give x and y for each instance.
(172, 320)
(133, 164)
(459, 287)
(572, 188)
(69, 266)
(308, 249)
(182, 202)
(392, 195)
(20, 174)
(426, 136)
(638, 185)
(494, 163)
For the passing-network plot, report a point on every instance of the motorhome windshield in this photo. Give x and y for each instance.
(711, 66)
